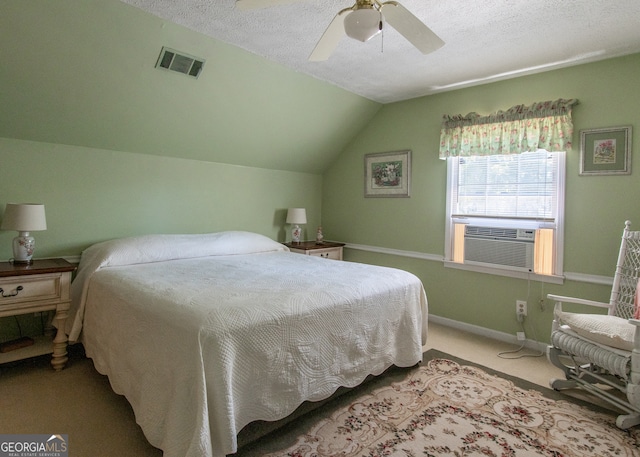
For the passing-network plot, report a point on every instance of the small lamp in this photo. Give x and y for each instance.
(25, 218)
(296, 216)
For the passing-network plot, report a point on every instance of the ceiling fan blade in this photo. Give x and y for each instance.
(410, 27)
(254, 4)
(330, 38)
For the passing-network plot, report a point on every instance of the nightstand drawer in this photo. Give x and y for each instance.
(331, 253)
(30, 288)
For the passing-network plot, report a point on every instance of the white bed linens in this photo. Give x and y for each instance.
(204, 345)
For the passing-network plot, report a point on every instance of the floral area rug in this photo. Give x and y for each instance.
(449, 407)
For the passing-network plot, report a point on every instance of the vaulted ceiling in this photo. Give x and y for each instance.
(82, 73)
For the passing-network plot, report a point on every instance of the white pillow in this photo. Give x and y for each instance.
(604, 329)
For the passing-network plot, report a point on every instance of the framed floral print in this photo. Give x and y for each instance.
(387, 174)
(605, 151)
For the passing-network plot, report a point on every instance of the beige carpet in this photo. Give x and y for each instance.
(79, 402)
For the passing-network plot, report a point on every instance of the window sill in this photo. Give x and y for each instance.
(505, 272)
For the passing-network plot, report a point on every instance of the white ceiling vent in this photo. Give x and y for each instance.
(171, 59)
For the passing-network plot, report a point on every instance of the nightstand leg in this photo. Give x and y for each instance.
(60, 358)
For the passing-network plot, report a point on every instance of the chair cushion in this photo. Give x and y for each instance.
(603, 329)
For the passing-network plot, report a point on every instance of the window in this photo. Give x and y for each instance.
(505, 187)
(520, 194)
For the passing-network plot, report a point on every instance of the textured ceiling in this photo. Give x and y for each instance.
(485, 41)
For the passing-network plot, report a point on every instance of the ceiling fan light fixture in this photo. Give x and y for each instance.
(363, 24)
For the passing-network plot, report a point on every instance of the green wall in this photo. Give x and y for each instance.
(115, 147)
(82, 72)
(596, 206)
(91, 195)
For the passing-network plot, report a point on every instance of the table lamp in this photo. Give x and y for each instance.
(296, 216)
(24, 218)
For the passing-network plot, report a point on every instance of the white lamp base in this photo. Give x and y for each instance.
(23, 247)
(296, 231)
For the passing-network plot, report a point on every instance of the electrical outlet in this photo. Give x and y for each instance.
(521, 336)
(521, 309)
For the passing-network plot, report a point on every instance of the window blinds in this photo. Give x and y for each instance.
(519, 186)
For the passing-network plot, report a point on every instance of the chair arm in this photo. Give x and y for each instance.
(578, 301)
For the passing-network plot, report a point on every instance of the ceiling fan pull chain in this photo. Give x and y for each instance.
(381, 36)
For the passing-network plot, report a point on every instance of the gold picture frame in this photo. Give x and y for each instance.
(605, 151)
(387, 174)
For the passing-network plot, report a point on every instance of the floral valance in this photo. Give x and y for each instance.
(543, 125)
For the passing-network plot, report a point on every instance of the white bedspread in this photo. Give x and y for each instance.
(204, 345)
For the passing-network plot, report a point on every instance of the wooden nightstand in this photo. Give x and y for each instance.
(43, 285)
(327, 249)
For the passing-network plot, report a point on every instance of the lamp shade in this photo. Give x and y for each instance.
(296, 216)
(24, 217)
(363, 24)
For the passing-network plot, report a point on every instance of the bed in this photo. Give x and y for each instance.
(204, 334)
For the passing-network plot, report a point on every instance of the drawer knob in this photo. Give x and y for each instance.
(18, 289)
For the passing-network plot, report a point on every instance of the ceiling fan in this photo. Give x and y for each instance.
(362, 21)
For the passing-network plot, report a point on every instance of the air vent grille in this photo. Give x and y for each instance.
(474, 230)
(180, 62)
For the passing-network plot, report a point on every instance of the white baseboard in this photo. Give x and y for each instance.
(488, 333)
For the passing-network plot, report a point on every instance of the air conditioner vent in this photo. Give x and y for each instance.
(501, 232)
(180, 62)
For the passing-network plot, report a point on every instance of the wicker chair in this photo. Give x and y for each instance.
(601, 353)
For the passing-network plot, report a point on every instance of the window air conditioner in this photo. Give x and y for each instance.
(499, 247)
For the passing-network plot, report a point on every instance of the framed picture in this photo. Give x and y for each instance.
(605, 151)
(387, 174)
